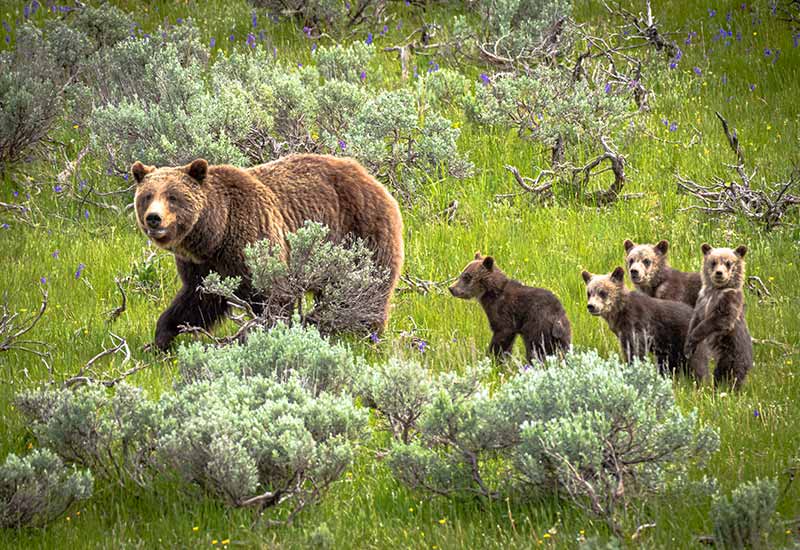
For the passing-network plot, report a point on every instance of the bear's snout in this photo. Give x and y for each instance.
(592, 308)
(153, 221)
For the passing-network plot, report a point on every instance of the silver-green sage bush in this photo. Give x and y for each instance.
(744, 520)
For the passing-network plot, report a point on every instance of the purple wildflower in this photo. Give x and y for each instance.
(15, 193)
(728, 17)
(8, 39)
(251, 40)
(422, 345)
(6, 26)
(673, 127)
(399, 25)
(34, 6)
(314, 47)
(608, 87)
(673, 65)
(697, 71)
(179, 21)
(86, 214)
(26, 11)
(485, 79)
(5, 226)
(767, 52)
(752, 87)
(299, 65)
(756, 413)
(712, 12)
(374, 337)
(43, 280)
(254, 20)
(665, 122)
(368, 41)
(307, 31)
(724, 79)
(212, 42)
(342, 145)
(738, 36)
(261, 35)
(384, 30)
(231, 38)
(55, 254)
(363, 76)
(79, 271)
(57, 188)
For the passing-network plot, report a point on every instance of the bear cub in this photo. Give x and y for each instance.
(515, 309)
(650, 273)
(719, 315)
(644, 324)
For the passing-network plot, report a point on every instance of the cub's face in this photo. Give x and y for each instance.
(644, 261)
(470, 283)
(723, 267)
(168, 201)
(603, 291)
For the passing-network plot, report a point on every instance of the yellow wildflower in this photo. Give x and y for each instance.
(226, 541)
(195, 528)
(443, 521)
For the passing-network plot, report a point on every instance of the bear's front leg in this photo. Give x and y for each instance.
(501, 343)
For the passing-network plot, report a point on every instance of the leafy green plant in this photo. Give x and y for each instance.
(339, 62)
(744, 519)
(38, 488)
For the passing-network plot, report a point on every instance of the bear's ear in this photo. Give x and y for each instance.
(662, 247)
(139, 171)
(741, 251)
(618, 275)
(586, 276)
(488, 263)
(628, 244)
(706, 248)
(478, 255)
(198, 169)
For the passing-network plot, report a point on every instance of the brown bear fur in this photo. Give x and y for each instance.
(650, 273)
(644, 324)
(718, 316)
(206, 215)
(513, 308)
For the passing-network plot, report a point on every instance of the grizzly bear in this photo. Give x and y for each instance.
(718, 316)
(650, 273)
(206, 215)
(513, 308)
(644, 324)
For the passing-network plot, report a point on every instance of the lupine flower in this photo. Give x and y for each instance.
(15, 193)
(179, 20)
(343, 146)
(373, 335)
(399, 25)
(767, 52)
(608, 87)
(776, 56)
(26, 11)
(485, 79)
(432, 66)
(6, 26)
(368, 41)
(307, 31)
(299, 65)
(86, 214)
(212, 42)
(385, 30)
(55, 254)
(756, 413)
(673, 65)
(697, 71)
(254, 20)
(8, 39)
(673, 127)
(314, 47)
(79, 271)
(422, 345)
(231, 38)
(665, 122)
(43, 280)
(363, 76)
(752, 87)
(728, 17)
(251, 40)
(57, 188)
(724, 79)
(261, 35)
(712, 12)
(5, 226)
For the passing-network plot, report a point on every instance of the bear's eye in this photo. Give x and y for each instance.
(172, 198)
(728, 264)
(713, 263)
(466, 277)
(630, 262)
(603, 294)
(647, 263)
(147, 197)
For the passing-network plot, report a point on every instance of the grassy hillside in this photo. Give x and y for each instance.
(543, 246)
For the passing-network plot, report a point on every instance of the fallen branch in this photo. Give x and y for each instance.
(421, 286)
(120, 346)
(112, 315)
(13, 328)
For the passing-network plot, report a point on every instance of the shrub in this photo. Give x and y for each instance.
(349, 290)
(604, 432)
(444, 88)
(338, 62)
(259, 442)
(38, 488)
(104, 26)
(744, 519)
(329, 14)
(282, 353)
(389, 137)
(338, 102)
(110, 432)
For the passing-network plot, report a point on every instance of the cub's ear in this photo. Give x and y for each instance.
(706, 248)
(586, 276)
(478, 255)
(741, 251)
(198, 169)
(139, 171)
(488, 263)
(662, 247)
(618, 275)
(628, 244)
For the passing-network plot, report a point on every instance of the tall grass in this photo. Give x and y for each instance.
(759, 428)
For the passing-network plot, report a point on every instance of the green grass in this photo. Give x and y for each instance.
(542, 246)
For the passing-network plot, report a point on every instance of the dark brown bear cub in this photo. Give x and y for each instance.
(650, 273)
(719, 315)
(644, 324)
(513, 308)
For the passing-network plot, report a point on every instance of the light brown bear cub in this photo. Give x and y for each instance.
(650, 273)
(719, 315)
(515, 309)
(644, 324)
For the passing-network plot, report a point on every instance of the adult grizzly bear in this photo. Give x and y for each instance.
(206, 215)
